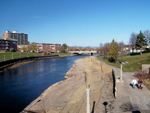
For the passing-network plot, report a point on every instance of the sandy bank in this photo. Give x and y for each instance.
(69, 96)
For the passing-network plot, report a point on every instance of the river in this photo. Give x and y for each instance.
(21, 85)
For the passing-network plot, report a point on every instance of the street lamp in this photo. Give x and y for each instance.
(12, 56)
(121, 72)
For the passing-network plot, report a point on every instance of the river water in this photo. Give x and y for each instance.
(21, 85)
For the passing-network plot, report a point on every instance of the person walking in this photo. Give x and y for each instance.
(134, 82)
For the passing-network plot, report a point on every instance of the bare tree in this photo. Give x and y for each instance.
(98, 50)
(101, 48)
(106, 49)
(147, 36)
(132, 40)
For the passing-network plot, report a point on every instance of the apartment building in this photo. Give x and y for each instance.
(21, 37)
(8, 44)
(49, 47)
(19, 47)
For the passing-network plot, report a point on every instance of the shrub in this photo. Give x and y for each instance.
(111, 59)
(138, 53)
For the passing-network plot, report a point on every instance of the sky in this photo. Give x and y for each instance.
(75, 22)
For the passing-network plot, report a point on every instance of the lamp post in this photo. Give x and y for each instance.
(121, 73)
(4, 57)
(12, 56)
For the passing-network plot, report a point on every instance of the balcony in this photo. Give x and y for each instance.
(6, 48)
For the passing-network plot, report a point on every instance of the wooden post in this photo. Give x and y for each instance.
(88, 99)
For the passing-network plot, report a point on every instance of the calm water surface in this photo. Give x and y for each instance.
(21, 85)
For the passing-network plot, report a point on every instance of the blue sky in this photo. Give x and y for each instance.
(75, 22)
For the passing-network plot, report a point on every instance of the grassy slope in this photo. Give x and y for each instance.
(134, 62)
(8, 55)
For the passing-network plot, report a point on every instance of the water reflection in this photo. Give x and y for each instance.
(21, 85)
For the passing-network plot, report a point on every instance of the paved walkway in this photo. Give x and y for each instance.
(139, 98)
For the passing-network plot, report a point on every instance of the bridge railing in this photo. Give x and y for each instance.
(82, 52)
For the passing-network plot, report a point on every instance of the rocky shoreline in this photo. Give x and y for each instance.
(70, 95)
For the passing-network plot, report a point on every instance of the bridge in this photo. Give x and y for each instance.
(82, 52)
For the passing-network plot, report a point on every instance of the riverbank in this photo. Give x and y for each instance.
(70, 95)
(26, 62)
(13, 63)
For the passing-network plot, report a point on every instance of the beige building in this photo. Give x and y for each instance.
(19, 47)
(20, 37)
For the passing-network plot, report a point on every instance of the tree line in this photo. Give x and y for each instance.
(114, 50)
(140, 40)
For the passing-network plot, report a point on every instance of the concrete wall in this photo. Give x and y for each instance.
(145, 67)
(7, 63)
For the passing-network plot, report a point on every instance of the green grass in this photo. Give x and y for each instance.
(8, 55)
(107, 62)
(134, 62)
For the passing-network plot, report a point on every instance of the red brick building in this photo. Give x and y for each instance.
(7, 34)
(8, 44)
(49, 47)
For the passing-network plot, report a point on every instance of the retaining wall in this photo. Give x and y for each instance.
(7, 63)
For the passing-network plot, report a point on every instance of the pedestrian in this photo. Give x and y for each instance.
(140, 83)
(134, 82)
